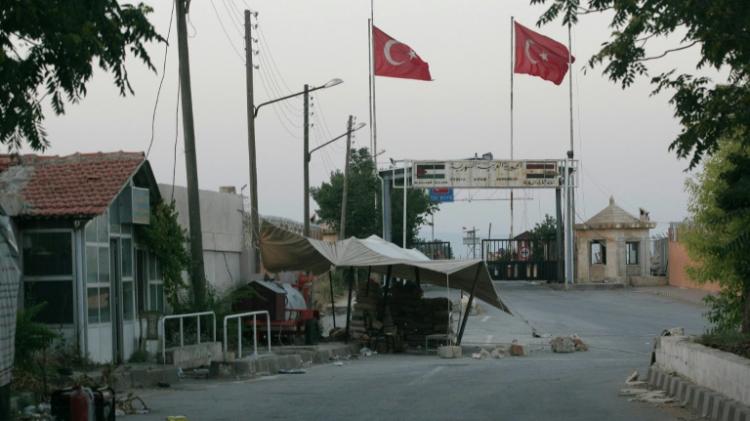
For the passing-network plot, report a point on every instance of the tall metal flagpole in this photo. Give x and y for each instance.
(512, 59)
(570, 217)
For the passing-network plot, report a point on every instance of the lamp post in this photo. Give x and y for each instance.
(253, 114)
(308, 155)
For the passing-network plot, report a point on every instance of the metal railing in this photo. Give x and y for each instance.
(181, 317)
(239, 317)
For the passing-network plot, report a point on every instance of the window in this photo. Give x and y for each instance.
(631, 252)
(98, 270)
(599, 252)
(128, 288)
(48, 274)
(155, 285)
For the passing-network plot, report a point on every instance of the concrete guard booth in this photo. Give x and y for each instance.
(613, 246)
(282, 250)
(80, 252)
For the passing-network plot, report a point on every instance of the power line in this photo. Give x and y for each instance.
(161, 82)
(226, 34)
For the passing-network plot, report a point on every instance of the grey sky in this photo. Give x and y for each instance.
(621, 136)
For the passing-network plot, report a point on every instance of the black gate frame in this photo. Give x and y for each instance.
(511, 259)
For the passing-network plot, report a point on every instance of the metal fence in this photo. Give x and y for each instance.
(181, 318)
(435, 250)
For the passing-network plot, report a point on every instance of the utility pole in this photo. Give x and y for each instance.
(342, 224)
(194, 210)
(254, 217)
(307, 159)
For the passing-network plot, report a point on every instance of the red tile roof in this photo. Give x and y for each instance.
(75, 185)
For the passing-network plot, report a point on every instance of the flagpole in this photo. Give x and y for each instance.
(570, 180)
(369, 79)
(512, 58)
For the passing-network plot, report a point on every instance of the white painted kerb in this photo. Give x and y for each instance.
(721, 371)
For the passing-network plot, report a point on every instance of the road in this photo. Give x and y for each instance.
(619, 327)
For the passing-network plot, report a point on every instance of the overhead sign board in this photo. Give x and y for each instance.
(441, 194)
(485, 174)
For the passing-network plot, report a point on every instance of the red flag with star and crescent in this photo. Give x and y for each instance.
(541, 56)
(396, 59)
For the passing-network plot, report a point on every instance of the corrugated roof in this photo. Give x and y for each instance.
(81, 185)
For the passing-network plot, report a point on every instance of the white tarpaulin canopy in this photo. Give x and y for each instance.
(282, 250)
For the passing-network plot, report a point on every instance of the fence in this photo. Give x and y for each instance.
(181, 317)
(239, 317)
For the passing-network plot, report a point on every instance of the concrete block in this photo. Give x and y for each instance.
(688, 395)
(730, 409)
(710, 401)
(699, 397)
(742, 414)
(718, 408)
(197, 355)
(449, 351)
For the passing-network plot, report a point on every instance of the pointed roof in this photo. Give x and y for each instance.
(615, 217)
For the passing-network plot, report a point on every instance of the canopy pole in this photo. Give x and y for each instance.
(367, 286)
(333, 304)
(416, 277)
(468, 306)
(385, 290)
(349, 302)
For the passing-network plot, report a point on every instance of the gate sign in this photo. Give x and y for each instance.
(441, 194)
(484, 174)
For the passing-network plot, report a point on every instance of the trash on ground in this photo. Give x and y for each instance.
(366, 352)
(516, 349)
(568, 344)
(675, 331)
(132, 404)
(498, 353)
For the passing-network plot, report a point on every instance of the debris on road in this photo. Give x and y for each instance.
(366, 352)
(675, 331)
(338, 363)
(132, 404)
(498, 353)
(449, 351)
(568, 344)
(632, 378)
(482, 354)
(292, 371)
(516, 349)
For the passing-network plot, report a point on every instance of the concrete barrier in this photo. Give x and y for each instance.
(192, 356)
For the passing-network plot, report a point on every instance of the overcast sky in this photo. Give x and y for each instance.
(621, 135)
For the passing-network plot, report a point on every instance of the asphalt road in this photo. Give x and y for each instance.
(619, 327)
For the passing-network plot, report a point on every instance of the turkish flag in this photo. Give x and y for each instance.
(541, 56)
(396, 59)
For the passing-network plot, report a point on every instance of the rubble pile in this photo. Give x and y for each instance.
(568, 344)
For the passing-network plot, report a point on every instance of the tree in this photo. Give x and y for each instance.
(364, 216)
(716, 236)
(47, 51)
(545, 230)
(707, 111)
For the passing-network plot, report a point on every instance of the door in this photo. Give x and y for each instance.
(117, 337)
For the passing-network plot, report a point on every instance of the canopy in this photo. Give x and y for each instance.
(282, 250)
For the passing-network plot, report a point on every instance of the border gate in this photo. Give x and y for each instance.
(522, 259)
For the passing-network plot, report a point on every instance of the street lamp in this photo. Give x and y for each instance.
(254, 217)
(308, 155)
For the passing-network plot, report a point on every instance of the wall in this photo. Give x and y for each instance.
(615, 269)
(677, 269)
(225, 255)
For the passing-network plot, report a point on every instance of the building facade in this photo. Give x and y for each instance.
(613, 246)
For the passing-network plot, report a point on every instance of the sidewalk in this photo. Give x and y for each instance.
(687, 295)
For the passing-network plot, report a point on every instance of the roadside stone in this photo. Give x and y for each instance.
(497, 353)
(579, 344)
(563, 345)
(516, 349)
(449, 352)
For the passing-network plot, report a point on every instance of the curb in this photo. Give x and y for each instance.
(587, 286)
(704, 401)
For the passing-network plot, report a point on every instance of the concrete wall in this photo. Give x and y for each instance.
(679, 261)
(721, 371)
(225, 255)
(615, 269)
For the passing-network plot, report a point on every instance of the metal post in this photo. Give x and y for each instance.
(254, 217)
(468, 306)
(559, 235)
(255, 337)
(239, 337)
(191, 167)
(570, 186)
(387, 211)
(367, 285)
(333, 304)
(199, 328)
(306, 159)
(385, 290)
(417, 277)
(182, 337)
(403, 228)
(512, 59)
(349, 302)
(342, 224)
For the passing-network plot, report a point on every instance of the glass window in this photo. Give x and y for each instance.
(102, 228)
(160, 298)
(92, 300)
(127, 258)
(104, 304)
(91, 264)
(103, 264)
(598, 252)
(152, 297)
(59, 298)
(631, 252)
(151, 267)
(128, 299)
(91, 231)
(47, 254)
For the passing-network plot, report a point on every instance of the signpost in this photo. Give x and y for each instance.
(484, 174)
(441, 194)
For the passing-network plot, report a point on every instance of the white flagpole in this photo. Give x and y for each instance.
(512, 59)
(570, 180)
(374, 122)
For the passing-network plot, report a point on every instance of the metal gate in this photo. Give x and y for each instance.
(522, 259)
(435, 250)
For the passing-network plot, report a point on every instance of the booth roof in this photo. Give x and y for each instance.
(282, 250)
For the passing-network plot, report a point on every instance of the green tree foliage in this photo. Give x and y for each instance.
(707, 111)
(166, 238)
(545, 230)
(364, 216)
(47, 48)
(717, 236)
(31, 337)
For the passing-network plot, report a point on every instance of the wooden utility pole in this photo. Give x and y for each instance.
(342, 224)
(306, 157)
(254, 217)
(194, 210)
